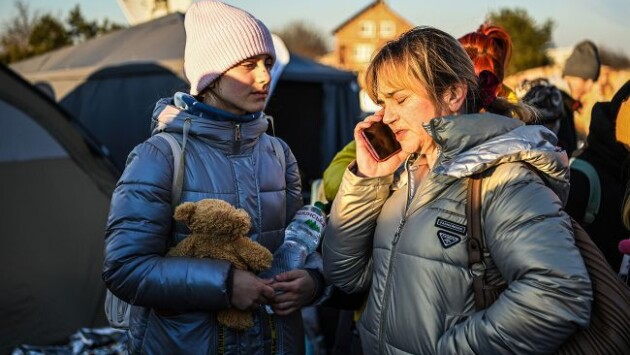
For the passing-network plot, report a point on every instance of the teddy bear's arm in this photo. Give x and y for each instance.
(256, 256)
(184, 248)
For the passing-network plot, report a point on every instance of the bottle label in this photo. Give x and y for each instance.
(313, 220)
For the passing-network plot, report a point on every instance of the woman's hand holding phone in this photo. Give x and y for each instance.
(378, 152)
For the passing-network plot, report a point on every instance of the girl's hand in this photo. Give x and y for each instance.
(366, 164)
(249, 291)
(294, 289)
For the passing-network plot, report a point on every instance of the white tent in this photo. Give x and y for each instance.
(55, 187)
(110, 84)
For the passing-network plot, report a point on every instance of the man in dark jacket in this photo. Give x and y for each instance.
(608, 156)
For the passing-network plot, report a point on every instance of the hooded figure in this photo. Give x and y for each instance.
(610, 159)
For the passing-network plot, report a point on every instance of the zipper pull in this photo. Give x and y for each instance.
(398, 231)
(237, 132)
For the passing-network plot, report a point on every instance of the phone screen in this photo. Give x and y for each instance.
(381, 141)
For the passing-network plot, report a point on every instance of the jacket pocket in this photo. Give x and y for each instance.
(179, 333)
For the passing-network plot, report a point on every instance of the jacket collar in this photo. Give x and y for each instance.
(495, 140)
(221, 128)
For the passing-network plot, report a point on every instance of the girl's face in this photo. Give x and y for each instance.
(405, 111)
(243, 88)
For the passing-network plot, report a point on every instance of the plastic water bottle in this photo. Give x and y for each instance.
(301, 238)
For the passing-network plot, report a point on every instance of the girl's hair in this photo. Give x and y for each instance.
(208, 91)
(435, 60)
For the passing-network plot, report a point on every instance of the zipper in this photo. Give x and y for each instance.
(430, 128)
(398, 231)
(387, 285)
(401, 225)
(237, 138)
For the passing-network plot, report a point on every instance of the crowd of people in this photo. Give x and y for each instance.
(398, 228)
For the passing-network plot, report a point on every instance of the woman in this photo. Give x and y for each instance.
(228, 156)
(489, 47)
(403, 235)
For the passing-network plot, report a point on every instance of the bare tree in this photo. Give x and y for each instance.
(29, 33)
(303, 39)
(16, 32)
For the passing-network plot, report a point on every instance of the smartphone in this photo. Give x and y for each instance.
(381, 141)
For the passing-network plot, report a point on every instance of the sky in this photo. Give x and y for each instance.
(605, 22)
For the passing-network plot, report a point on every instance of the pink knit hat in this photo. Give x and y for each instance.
(219, 36)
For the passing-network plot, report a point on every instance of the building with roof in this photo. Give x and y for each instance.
(358, 38)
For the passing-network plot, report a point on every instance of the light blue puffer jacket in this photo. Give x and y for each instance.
(235, 162)
(408, 245)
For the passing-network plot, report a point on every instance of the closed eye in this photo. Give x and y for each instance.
(400, 100)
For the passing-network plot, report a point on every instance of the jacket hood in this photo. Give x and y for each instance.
(497, 140)
(602, 144)
(219, 127)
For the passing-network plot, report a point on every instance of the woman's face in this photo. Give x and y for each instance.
(405, 112)
(243, 88)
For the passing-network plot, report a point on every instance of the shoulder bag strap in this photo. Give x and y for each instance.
(594, 194)
(178, 166)
(476, 241)
(277, 148)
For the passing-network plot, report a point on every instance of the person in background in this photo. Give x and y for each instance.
(608, 156)
(581, 71)
(402, 235)
(227, 60)
(490, 48)
(582, 68)
(622, 133)
(548, 101)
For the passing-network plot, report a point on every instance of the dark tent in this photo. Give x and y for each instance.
(111, 83)
(55, 187)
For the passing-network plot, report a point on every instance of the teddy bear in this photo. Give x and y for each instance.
(220, 231)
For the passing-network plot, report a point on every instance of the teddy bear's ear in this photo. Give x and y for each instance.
(184, 212)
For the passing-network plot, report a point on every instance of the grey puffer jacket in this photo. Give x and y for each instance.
(409, 247)
(235, 162)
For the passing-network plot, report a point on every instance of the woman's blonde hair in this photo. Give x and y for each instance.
(438, 62)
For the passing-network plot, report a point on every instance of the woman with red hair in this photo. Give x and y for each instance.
(490, 48)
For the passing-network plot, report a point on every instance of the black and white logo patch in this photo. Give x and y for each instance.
(451, 226)
(448, 239)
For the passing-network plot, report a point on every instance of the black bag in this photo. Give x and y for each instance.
(609, 330)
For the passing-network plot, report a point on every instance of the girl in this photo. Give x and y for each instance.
(228, 156)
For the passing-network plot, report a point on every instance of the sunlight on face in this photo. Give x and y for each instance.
(405, 111)
(578, 86)
(244, 87)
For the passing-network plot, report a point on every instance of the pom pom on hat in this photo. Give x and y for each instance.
(219, 36)
(583, 62)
